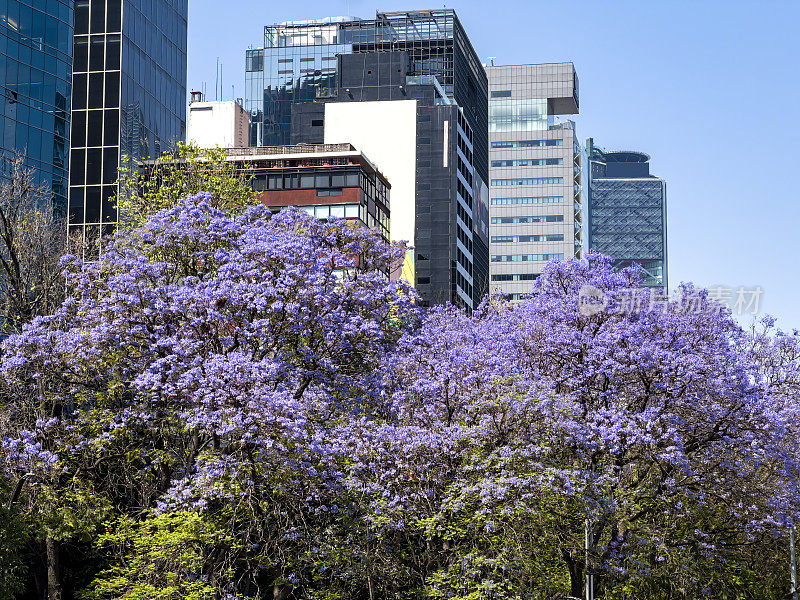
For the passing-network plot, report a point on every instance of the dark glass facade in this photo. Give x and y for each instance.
(423, 56)
(298, 64)
(129, 97)
(628, 212)
(35, 88)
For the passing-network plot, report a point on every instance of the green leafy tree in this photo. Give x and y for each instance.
(161, 183)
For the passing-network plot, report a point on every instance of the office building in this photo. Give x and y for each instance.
(627, 211)
(325, 180)
(35, 89)
(534, 171)
(408, 90)
(128, 98)
(217, 124)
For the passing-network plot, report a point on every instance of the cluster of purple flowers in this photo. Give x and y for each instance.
(263, 368)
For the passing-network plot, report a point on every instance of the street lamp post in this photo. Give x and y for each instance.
(793, 567)
(589, 576)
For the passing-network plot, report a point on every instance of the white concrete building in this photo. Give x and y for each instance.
(217, 124)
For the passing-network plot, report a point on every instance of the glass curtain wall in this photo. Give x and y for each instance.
(298, 64)
(129, 96)
(35, 89)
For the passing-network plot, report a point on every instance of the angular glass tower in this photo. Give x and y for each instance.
(535, 173)
(128, 97)
(628, 212)
(35, 88)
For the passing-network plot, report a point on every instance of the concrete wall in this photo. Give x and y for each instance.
(386, 132)
(217, 124)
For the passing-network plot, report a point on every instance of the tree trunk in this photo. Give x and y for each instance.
(575, 568)
(53, 570)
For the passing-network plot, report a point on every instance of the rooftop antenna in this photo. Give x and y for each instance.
(491, 59)
(216, 83)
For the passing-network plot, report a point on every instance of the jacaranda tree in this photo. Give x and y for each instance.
(247, 407)
(187, 387)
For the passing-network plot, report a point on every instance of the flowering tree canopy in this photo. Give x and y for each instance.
(246, 407)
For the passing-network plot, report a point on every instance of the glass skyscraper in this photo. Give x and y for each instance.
(627, 212)
(535, 173)
(129, 97)
(35, 88)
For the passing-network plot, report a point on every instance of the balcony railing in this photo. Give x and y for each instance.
(294, 149)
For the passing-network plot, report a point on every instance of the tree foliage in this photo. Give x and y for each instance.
(32, 240)
(244, 406)
(161, 183)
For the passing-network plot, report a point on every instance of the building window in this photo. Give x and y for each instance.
(526, 257)
(511, 239)
(514, 276)
(330, 192)
(317, 122)
(517, 115)
(528, 219)
(527, 200)
(528, 143)
(501, 94)
(528, 162)
(528, 181)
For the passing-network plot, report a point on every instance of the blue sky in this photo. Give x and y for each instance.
(710, 89)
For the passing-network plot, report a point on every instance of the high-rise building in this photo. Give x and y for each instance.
(408, 90)
(128, 98)
(535, 173)
(627, 211)
(223, 124)
(35, 88)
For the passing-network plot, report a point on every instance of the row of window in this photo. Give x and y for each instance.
(101, 54)
(305, 181)
(528, 162)
(462, 145)
(462, 235)
(103, 88)
(462, 259)
(94, 166)
(305, 59)
(527, 200)
(462, 168)
(95, 128)
(517, 115)
(526, 257)
(529, 181)
(528, 219)
(543, 237)
(465, 126)
(101, 19)
(514, 276)
(463, 284)
(343, 211)
(528, 143)
(463, 214)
